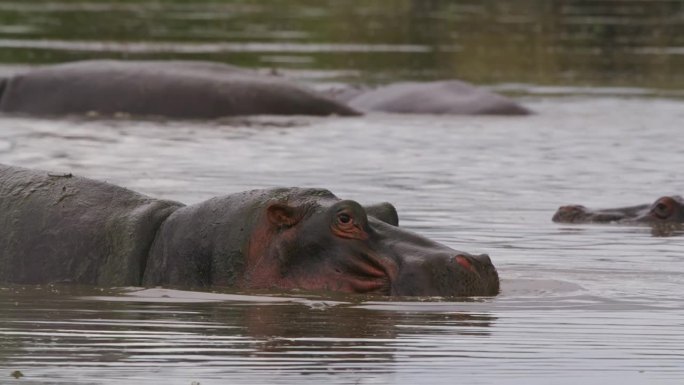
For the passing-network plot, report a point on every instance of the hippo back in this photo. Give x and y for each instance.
(57, 228)
(177, 89)
(448, 97)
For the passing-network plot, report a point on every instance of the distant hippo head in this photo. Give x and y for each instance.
(309, 239)
(668, 209)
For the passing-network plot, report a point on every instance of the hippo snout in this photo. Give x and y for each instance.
(569, 214)
(450, 275)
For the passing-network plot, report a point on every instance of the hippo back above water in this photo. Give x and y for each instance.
(175, 89)
(59, 228)
(443, 97)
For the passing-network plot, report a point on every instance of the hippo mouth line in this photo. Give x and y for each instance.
(371, 286)
(368, 275)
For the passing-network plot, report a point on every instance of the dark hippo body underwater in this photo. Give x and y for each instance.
(175, 89)
(62, 228)
(667, 209)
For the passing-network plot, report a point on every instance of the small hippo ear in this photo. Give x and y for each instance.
(282, 215)
(385, 212)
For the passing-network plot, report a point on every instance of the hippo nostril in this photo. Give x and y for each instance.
(464, 262)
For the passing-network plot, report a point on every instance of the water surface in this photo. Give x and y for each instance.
(579, 304)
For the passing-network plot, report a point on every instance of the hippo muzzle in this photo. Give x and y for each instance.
(455, 274)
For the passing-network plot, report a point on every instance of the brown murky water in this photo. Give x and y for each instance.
(579, 304)
(583, 304)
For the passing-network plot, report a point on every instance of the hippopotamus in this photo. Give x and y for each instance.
(444, 97)
(65, 228)
(667, 209)
(174, 89)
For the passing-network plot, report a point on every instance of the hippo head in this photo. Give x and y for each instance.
(338, 245)
(668, 209)
(295, 238)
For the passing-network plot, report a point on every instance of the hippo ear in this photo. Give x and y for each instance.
(282, 215)
(385, 212)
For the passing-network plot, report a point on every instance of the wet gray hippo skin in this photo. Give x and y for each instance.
(63, 228)
(175, 89)
(446, 97)
(667, 209)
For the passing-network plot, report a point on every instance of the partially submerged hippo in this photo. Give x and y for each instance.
(445, 97)
(667, 209)
(56, 228)
(176, 89)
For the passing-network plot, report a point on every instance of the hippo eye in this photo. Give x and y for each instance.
(662, 210)
(346, 225)
(344, 218)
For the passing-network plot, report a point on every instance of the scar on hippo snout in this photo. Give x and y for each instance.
(463, 261)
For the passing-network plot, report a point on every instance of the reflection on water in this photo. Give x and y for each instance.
(573, 42)
(72, 335)
(579, 303)
(49, 333)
